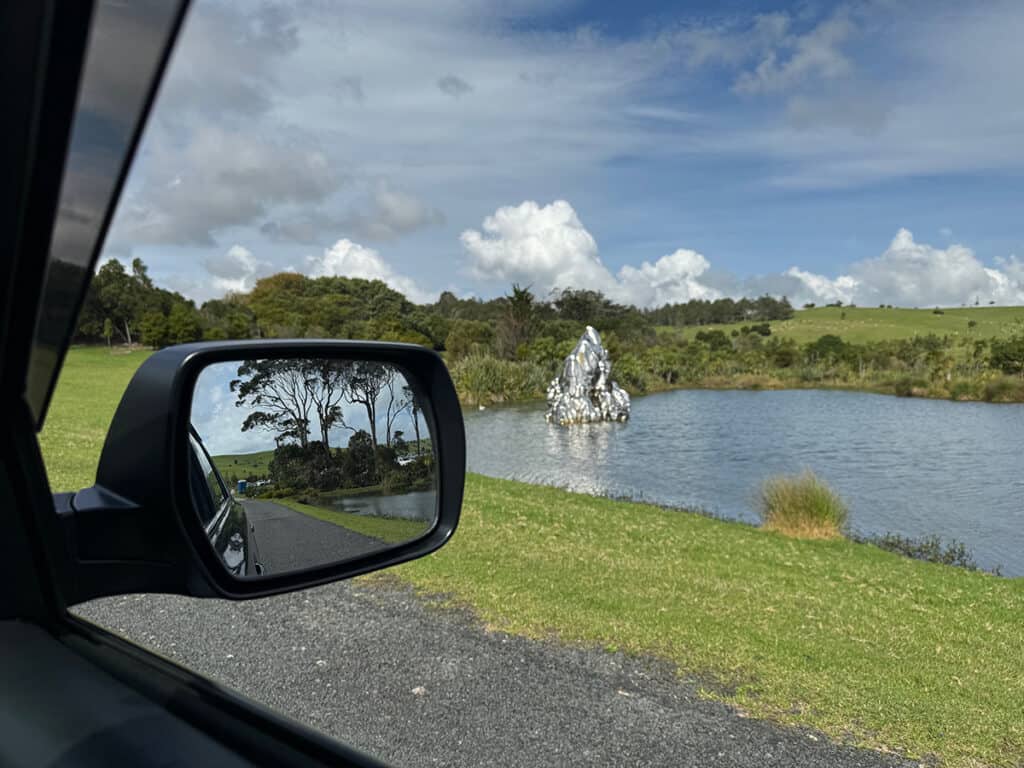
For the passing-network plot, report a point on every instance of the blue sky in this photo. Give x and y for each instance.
(862, 151)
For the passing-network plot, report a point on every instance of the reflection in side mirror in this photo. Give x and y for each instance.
(300, 463)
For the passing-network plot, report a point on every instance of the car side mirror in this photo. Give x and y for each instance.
(244, 469)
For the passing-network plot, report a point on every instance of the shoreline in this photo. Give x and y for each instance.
(766, 383)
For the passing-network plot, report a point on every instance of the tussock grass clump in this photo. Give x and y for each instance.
(802, 506)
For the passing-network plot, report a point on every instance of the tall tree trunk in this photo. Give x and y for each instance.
(371, 414)
(323, 438)
(416, 426)
(128, 332)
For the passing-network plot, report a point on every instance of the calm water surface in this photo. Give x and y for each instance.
(910, 466)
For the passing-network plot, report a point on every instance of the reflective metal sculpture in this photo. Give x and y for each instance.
(584, 392)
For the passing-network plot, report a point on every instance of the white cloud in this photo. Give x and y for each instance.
(818, 288)
(673, 278)
(548, 247)
(236, 270)
(348, 259)
(543, 245)
(791, 60)
(912, 274)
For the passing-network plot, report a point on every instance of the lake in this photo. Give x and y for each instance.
(910, 466)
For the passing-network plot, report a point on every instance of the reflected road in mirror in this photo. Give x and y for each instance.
(325, 460)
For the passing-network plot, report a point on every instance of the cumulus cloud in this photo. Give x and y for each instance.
(548, 247)
(348, 259)
(672, 278)
(913, 274)
(236, 270)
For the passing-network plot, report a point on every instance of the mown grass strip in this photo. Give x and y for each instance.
(390, 530)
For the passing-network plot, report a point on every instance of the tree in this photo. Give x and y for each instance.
(366, 381)
(141, 274)
(515, 326)
(276, 390)
(327, 382)
(359, 461)
(183, 324)
(415, 407)
(154, 330)
(108, 330)
(466, 337)
(118, 294)
(397, 403)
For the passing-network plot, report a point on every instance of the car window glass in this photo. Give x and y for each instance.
(211, 481)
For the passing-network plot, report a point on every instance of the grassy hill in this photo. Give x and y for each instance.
(861, 324)
(243, 464)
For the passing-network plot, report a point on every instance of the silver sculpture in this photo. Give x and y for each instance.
(584, 392)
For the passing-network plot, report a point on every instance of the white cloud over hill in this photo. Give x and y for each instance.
(549, 247)
(348, 259)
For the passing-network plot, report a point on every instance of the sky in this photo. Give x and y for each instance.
(218, 419)
(867, 152)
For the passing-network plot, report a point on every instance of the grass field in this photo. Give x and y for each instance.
(383, 528)
(862, 324)
(243, 464)
(870, 647)
(89, 389)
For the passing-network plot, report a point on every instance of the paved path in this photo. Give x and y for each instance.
(288, 540)
(417, 685)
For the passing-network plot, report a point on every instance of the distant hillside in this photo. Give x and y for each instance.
(862, 324)
(242, 465)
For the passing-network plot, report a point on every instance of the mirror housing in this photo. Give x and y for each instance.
(136, 530)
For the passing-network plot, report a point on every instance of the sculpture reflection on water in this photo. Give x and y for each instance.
(584, 392)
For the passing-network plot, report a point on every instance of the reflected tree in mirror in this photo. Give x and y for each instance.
(327, 459)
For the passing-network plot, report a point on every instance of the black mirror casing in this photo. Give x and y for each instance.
(136, 530)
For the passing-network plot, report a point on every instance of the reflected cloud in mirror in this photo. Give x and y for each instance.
(299, 463)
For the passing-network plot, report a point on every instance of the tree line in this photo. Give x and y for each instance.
(301, 402)
(510, 347)
(124, 306)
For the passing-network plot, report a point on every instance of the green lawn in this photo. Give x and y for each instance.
(383, 528)
(88, 391)
(866, 645)
(862, 324)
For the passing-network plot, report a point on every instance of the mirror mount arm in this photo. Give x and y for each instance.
(113, 547)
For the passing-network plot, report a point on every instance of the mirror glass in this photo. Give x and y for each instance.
(299, 463)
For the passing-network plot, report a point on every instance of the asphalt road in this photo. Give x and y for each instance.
(288, 540)
(419, 685)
